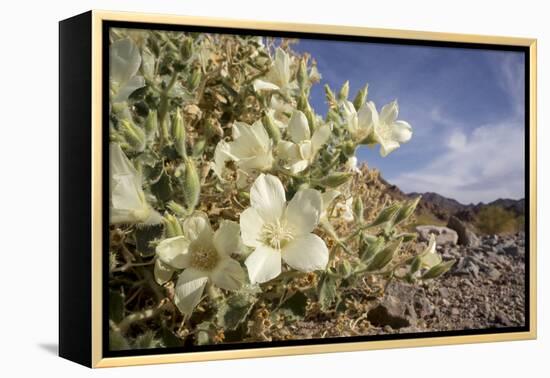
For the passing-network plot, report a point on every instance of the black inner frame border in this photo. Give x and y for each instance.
(107, 24)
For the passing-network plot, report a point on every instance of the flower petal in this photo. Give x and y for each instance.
(119, 163)
(306, 253)
(189, 289)
(228, 275)
(227, 238)
(163, 273)
(267, 196)
(261, 85)
(389, 112)
(125, 195)
(174, 252)
(303, 211)
(328, 196)
(386, 147)
(281, 68)
(350, 116)
(401, 131)
(367, 117)
(299, 166)
(251, 227)
(129, 87)
(222, 154)
(288, 151)
(298, 127)
(263, 264)
(124, 60)
(198, 226)
(320, 137)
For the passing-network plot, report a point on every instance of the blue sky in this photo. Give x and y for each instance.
(466, 108)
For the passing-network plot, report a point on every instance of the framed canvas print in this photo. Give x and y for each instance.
(234, 189)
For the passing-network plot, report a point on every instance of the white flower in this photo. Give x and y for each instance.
(277, 230)
(341, 210)
(387, 130)
(279, 76)
(359, 123)
(301, 152)
(127, 199)
(280, 110)
(251, 149)
(124, 63)
(205, 256)
(351, 165)
(430, 258)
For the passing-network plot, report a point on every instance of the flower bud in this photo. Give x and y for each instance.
(198, 147)
(172, 226)
(195, 78)
(187, 49)
(361, 97)
(384, 257)
(311, 120)
(344, 91)
(386, 214)
(302, 75)
(358, 208)
(331, 99)
(406, 210)
(438, 270)
(271, 128)
(176, 208)
(332, 116)
(334, 180)
(133, 134)
(191, 185)
(151, 125)
(179, 134)
(415, 265)
(348, 148)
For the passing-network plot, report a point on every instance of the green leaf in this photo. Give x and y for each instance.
(370, 249)
(234, 310)
(295, 306)
(326, 291)
(384, 257)
(386, 215)
(163, 188)
(406, 210)
(438, 270)
(144, 237)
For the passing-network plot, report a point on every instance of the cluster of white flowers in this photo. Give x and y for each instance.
(285, 143)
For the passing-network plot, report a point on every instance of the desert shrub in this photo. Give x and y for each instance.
(236, 209)
(497, 220)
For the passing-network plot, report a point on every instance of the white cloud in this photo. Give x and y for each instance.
(457, 140)
(485, 165)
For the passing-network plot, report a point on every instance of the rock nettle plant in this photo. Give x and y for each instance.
(236, 209)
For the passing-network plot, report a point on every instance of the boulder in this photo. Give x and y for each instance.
(443, 235)
(389, 311)
(466, 236)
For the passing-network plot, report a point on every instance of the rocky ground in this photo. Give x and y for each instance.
(484, 289)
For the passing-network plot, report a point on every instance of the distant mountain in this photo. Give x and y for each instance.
(433, 205)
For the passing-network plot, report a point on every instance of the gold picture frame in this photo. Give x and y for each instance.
(93, 25)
